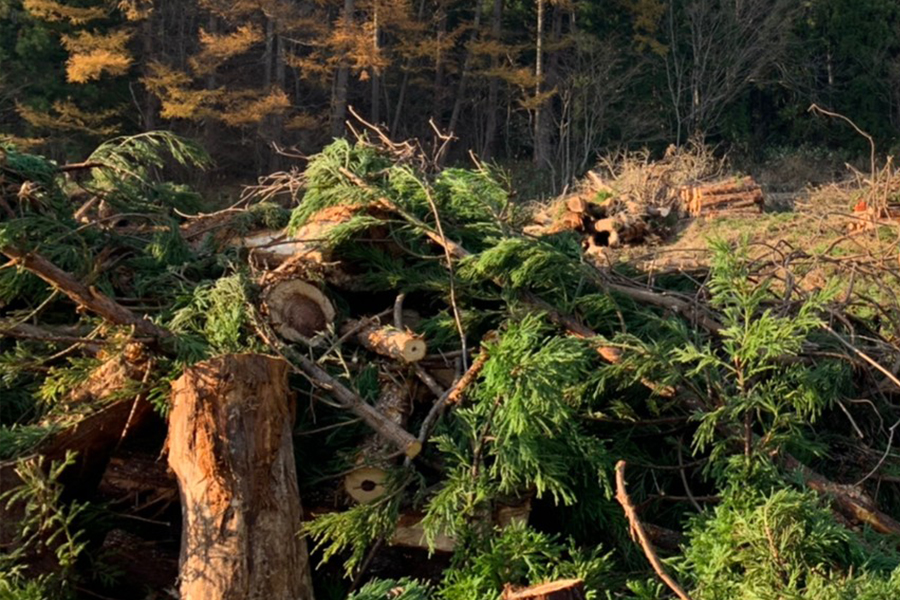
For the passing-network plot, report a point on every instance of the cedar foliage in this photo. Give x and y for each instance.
(543, 423)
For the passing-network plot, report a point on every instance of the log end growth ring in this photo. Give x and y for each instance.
(298, 311)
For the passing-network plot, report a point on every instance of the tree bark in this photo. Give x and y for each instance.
(464, 75)
(230, 448)
(538, 76)
(339, 112)
(389, 341)
(493, 104)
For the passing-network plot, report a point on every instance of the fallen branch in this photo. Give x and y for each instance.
(389, 341)
(563, 589)
(83, 295)
(347, 399)
(571, 324)
(637, 531)
(850, 500)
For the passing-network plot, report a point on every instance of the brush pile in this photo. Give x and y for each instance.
(367, 380)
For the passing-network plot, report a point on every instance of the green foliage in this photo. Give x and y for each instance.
(127, 178)
(548, 266)
(327, 186)
(215, 318)
(754, 382)
(20, 166)
(13, 587)
(390, 589)
(48, 523)
(522, 431)
(520, 555)
(21, 439)
(61, 380)
(353, 531)
(783, 543)
(516, 555)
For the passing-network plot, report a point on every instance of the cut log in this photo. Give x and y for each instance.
(741, 194)
(604, 233)
(577, 204)
(297, 310)
(367, 482)
(563, 589)
(139, 483)
(271, 248)
(389, 341)
(231, 450)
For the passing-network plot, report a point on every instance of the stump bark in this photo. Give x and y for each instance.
(231, 450)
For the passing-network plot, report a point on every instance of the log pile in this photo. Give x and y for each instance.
(733, 197)
(607, 216)
(602, 224)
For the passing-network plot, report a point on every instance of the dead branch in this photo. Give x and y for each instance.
(637, 530)
(850, 500)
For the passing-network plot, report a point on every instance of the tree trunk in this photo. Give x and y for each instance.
(375, 75)
(230, 448)
(439, 68)
(339, 112)
(547, 79)
(464, 75)
(539, 157)
(493, 105)
(267, 55)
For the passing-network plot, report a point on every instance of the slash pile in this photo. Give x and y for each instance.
(366, 380)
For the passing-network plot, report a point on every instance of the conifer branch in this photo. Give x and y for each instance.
(85, 296)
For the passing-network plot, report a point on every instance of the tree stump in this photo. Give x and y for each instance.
(231, 450)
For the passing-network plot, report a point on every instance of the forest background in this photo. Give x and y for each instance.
(537, 83)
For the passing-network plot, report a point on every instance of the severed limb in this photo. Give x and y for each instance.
(83, 295)
(638, 532)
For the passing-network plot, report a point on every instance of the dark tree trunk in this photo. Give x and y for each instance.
(493, 105)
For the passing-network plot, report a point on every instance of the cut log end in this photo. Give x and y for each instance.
(564, 589)
(413, 350)
(391, 342)
(366, 484)
(297, 310)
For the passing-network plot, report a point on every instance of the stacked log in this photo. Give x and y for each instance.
(732, 197)
(594, 220)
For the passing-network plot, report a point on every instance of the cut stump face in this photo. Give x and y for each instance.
(297, 310)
